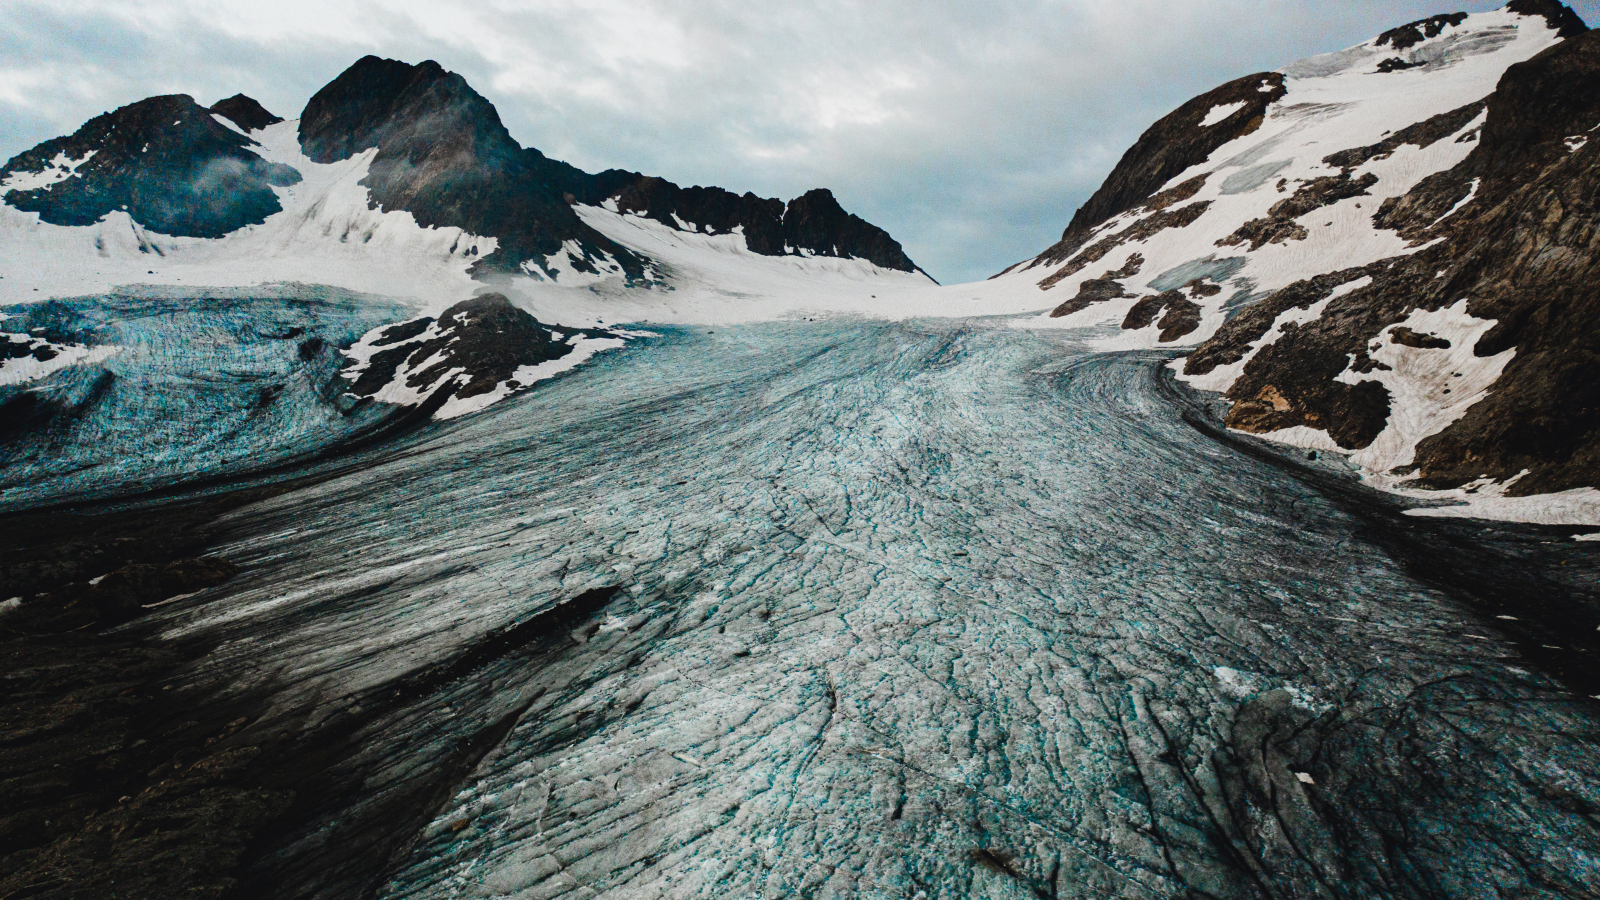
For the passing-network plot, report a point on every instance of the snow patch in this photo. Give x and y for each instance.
(227, 123)
(1471, 195)
(1235, 684)
(1429, 389)
(56, 171)
(1575, 507)
(28, 368)
(1219, 114)
(10, 605)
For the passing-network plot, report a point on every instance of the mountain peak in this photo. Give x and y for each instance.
(1560, 16)
(445, 157)
(245, 113)
(165, 161)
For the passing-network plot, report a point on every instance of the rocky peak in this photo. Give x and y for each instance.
(245, 113)
(445, 157)
(1507, 259)
(816, 222)
(165, 161)
(474, 348)
(1560, 16)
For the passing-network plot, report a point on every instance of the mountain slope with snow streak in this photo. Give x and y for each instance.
(1390, 258)
(1292, 197)
(1466, 369)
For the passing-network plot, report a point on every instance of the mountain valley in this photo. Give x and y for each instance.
(393, 511)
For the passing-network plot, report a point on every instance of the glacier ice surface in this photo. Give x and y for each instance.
(896, 610)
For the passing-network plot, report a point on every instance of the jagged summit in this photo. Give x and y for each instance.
(444, 156)
(245, 113)
(813, 224)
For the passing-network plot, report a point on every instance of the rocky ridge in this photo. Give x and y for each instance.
(438, 151)
(476, 351)
(444, 156)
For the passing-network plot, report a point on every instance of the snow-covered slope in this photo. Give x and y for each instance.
(1391, 260)
(397, 205)
(325, 234)
(1198, 225)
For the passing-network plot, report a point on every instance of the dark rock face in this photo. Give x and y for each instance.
(1558, 14)
(32, 348)
(486, 337)
(166, 161)
(1099, 290)
(1525, 252)
(1396, 64)
(245, 113)
(444, 156)
(814, 223)
(1408, 338)
(1182, 315)
(1407, 36)
(713, 210)
(1232, 342)
(1171, 146)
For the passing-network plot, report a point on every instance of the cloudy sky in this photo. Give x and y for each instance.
(970, 130)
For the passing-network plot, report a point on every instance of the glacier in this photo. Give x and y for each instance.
(919, 609)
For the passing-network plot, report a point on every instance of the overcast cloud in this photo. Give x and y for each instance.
(971, 131)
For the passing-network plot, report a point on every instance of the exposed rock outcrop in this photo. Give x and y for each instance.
(472, 349)
(1407, 36)
(164, 161)
(1560, 16)
(813, 224)
(245, 113)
